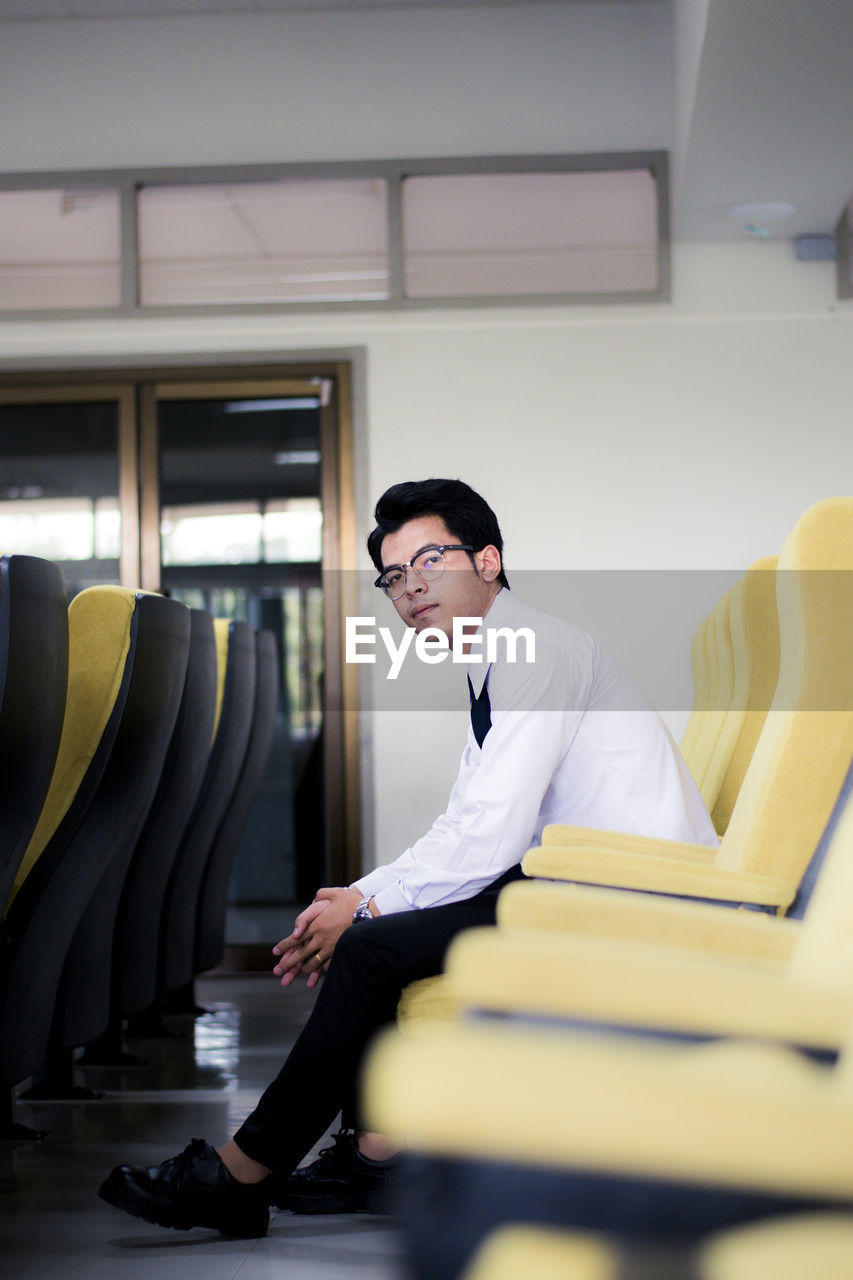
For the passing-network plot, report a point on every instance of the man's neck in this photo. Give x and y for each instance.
(466, 648)
(498, 588)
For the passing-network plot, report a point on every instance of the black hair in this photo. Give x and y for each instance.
(467, 516)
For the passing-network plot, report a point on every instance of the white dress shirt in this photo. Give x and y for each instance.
(572, 741)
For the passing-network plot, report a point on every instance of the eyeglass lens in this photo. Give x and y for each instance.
(429, 565)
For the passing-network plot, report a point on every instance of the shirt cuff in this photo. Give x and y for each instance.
(370, 884)
(390, 900)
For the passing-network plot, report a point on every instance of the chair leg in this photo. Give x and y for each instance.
(12, 1130)
(54, 1081)
(181, 1002)
(108, 1051)
(149, 1025)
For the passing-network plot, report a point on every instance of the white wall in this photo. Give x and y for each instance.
(689, 435)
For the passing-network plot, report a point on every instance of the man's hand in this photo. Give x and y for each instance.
(309, 947)
(290, 949)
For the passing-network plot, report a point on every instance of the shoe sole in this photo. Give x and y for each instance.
(325, 1204)
(160, 1218)
(376, 1203)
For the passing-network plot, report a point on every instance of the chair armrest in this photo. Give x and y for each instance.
(652, 874)
(591, 840)
(571, 909)
(740, 1115)
(638, 985)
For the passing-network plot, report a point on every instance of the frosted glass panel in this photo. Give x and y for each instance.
(59, 248)
(289, 241)
(530, 233)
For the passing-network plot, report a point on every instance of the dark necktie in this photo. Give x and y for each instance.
(481, 712)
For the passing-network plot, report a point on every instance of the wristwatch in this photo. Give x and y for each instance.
(362, 911)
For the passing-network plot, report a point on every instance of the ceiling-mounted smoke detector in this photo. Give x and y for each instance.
(758, 216)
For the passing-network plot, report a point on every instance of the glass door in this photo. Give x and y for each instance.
(240, 532)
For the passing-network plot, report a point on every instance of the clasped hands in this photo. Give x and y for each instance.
(308, 949)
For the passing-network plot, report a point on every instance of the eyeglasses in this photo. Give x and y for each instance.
(428, 564)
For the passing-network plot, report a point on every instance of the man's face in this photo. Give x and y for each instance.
(459, 592)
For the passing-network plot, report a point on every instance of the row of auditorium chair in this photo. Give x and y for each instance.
(133, 735)
(646, 1067)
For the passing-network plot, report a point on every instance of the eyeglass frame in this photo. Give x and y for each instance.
(448, 546)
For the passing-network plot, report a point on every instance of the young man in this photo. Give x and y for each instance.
(566, 738)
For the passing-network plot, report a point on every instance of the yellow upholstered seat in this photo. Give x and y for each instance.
(700, 666)
(787, 1248)
(720, 685)
(608, 1127)
(798, 764)
(754, 627)
(635, 961)
(542, 1253)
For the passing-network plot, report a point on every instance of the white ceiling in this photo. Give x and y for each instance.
(32, 9)
(773, 116)
(762, 111)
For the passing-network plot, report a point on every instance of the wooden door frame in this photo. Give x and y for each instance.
(132, 385)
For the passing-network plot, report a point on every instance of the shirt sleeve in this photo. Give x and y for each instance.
(491, 815)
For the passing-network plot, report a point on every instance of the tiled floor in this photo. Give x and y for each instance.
(52, 1224)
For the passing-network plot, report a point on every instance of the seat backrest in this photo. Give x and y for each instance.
(719, 693)
(806, 744)
(102, 633)
(141, 908)
(33, 681)
(210, 919)
(700, 666)
(127, 659)
(755, 648)
(237, 669)
(85, 996)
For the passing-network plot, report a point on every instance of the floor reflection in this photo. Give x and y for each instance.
(217, 1043)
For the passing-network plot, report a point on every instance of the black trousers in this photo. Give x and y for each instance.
(371, 964)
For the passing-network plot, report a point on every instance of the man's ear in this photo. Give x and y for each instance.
(488, 563)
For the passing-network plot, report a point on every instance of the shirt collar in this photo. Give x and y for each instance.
(499, 611)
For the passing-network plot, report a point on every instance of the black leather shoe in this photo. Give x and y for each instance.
(193, 1189)
(340, 1180)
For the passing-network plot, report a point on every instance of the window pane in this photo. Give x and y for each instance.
(59, 249)
(293, 530)
(211, 535)
(520, 233)
(290, 241)
(59, 487)
(58, 529)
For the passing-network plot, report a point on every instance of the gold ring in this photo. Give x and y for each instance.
(318, 957)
